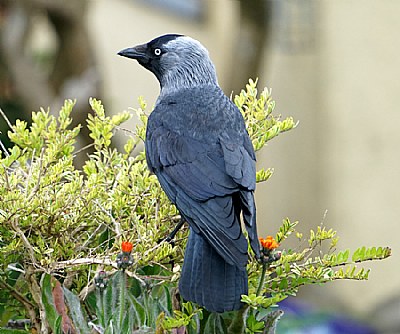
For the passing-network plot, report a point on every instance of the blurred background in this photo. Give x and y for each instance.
(332, 65)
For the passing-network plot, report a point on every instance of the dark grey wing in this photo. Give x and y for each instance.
(207, 169)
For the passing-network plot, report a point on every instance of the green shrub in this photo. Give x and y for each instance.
(61, 230)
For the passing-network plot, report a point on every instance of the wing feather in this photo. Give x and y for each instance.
(205, 163)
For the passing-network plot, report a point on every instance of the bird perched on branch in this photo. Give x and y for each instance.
(198, 147)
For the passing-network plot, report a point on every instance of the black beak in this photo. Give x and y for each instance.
(138, 52)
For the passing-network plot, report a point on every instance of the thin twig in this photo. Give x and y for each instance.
(153, 248)
(16, 294)
(36, 292)
(14, 268)
(121, 128)
(29, 306)
(7, 120)
(4, 149)
(117, 225)
(10, 126)
(82, 261)
(25, 240)
(89, 239)
(83, 149)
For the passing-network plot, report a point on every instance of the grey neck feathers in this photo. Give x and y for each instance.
(195, 71)
(183, 78)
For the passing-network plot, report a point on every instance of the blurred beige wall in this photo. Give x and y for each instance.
(342, 85)
(332, 65)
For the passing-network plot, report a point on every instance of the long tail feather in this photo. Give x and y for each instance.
(208, 280)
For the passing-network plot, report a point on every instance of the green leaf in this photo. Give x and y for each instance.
(367, 254)
(215, 324)
(53, 318)
(138, 312)
(253, 325)
(263, 175)
(285, 230)
(76, 312)
(257, 111)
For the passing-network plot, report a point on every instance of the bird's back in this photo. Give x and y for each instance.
(198, 147)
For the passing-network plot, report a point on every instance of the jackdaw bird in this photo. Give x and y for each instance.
(198, 147)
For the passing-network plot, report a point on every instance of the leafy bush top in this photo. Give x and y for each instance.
(59, 220)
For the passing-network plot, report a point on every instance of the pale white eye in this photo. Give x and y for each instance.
(157, 52)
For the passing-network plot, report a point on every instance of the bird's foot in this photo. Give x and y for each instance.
(171, 236)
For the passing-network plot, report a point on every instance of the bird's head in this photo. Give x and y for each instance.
(177, 61)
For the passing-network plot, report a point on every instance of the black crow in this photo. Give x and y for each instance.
(198, 146)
